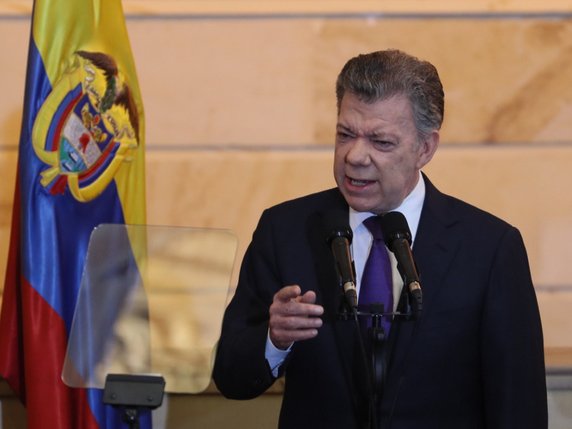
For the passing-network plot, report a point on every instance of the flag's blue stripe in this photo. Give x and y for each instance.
(55, 226)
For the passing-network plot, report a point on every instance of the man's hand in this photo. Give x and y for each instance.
(294, 317)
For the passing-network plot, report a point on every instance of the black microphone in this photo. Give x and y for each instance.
(339, 238)
(397, 237)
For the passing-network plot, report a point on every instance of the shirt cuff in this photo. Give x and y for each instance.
(275, 356)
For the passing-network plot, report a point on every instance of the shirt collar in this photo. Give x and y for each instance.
(411, 208)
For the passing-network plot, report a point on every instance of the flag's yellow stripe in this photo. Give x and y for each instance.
(97, 26)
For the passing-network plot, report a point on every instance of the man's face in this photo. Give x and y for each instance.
(378, 154)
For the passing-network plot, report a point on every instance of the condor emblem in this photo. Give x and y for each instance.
(86, 128)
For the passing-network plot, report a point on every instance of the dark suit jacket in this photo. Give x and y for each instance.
(474, 359)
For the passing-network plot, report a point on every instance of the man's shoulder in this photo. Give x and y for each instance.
(473, 219)
(290, 218)
(452, 208)
(471, 211)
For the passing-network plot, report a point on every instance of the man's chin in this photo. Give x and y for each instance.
(361, 206)
(365, 205)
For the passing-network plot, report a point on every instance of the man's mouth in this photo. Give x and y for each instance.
(359, 182)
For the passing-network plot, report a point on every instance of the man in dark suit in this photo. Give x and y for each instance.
(472, 359)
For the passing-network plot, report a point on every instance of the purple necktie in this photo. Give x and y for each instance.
(376, 283)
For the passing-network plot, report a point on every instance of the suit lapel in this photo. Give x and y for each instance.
(435, 246)
(433, 251)
(328, 292)
(330, 295)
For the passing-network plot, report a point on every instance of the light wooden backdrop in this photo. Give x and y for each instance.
(240, 110)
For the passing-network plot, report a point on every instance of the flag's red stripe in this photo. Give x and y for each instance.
(29, 323)
(11, 317)
(45, 343)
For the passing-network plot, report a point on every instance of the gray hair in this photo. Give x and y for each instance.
(383, 74)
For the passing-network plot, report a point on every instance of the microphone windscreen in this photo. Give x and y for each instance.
(336, 224)
(394, 226)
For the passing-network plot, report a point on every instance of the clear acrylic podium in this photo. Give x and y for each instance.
(151, 301)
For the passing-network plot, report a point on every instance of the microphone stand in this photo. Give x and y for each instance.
(375, 363)
(378, 363)
(348, 312)
(375, 355)
(409, 308)
(372, 418)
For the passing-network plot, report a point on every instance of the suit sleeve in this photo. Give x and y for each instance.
(512, 342)
(241, 370)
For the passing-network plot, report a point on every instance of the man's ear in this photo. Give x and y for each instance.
(428, 147)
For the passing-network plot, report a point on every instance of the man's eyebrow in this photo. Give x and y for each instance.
(381, 134)
(345, 127)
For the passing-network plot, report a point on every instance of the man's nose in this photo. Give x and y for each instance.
(358, 152)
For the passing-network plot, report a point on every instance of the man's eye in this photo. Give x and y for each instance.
(382, 144)
(342, 135)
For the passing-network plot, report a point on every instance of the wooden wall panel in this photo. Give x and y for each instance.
(240, 113)
(269, 82)
(240, 110)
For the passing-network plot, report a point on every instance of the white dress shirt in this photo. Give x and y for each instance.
(362, 240)
(361, 245)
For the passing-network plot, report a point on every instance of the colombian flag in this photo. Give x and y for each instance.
(81, 163)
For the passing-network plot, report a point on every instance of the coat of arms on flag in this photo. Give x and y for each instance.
(87, 126)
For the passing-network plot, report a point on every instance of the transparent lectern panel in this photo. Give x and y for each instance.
(151, 301)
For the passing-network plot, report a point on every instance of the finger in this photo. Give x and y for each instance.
(294, 323)
(285, 330)
(283, 339)
(309, 297)
(288, 293)
(294, 308)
